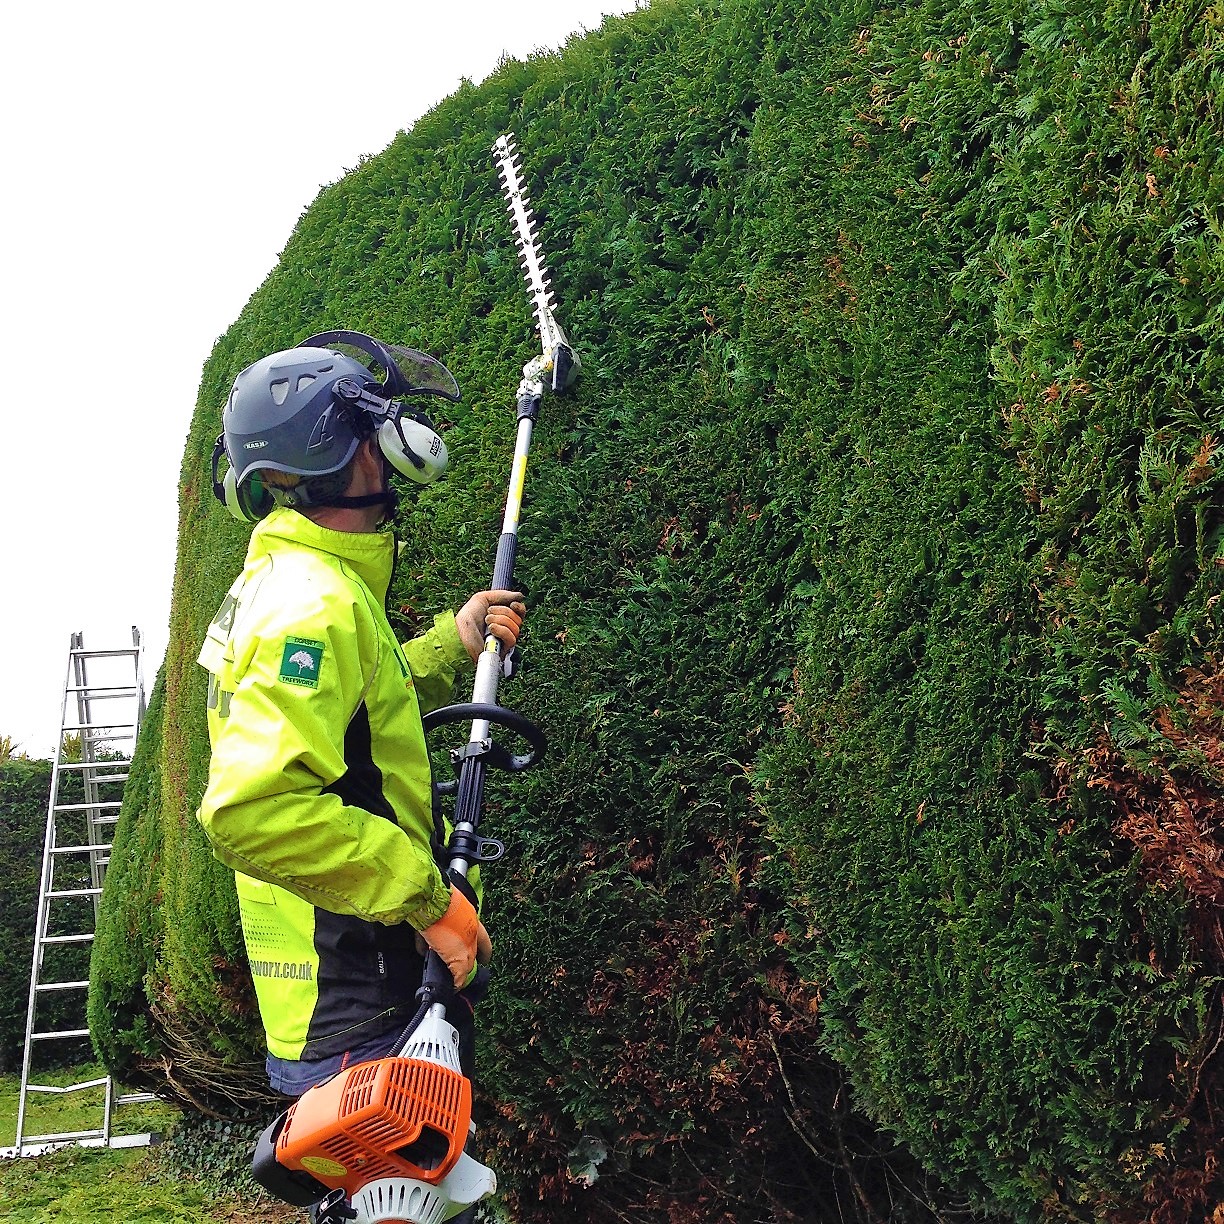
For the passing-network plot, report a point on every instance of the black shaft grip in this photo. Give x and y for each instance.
(503, 566)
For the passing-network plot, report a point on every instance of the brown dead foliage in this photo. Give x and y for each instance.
(746, 1120)
(1173, 812)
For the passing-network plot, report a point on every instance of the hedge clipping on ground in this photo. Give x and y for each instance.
(875, 576)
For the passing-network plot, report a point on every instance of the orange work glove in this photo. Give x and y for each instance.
(459, 938)
(500, 613)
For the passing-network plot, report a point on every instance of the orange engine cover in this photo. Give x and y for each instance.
(396, 1117)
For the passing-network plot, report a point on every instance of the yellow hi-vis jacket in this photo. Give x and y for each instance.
(319, 786)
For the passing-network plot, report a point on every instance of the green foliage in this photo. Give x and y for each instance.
(1009, 569)
(889, 493)
(24, 786)
(10, 750)
(214, 1154)
(24, 791)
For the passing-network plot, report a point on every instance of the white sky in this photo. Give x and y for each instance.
(155, 160)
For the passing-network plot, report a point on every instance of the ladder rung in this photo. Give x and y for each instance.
(80, 849)
(62, 985)
(105, 654)
(88, 807)
(102, 727)
(66, 939)
(91, 689)
(136, 1098)
(84, 765)
(93, 1139)
(65, 1137)
(58, 1034)
(58, 1088)
(145, 1139)
(73, 892)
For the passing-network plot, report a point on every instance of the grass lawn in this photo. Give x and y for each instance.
(77, 1185)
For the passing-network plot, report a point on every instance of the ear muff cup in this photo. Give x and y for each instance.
(413, 449)
(249, 501)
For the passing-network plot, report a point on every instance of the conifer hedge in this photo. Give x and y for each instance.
(25, 786)
(875, 576)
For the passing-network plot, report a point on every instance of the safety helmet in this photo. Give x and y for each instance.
(305, 410)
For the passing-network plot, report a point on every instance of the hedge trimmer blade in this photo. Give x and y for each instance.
(558, 358)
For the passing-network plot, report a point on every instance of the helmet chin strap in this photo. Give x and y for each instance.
(300, 498)
(357, 503)
(386, 497)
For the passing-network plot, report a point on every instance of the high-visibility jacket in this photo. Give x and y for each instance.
(319, 785)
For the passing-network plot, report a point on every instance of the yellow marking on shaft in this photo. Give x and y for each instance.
(518, 478)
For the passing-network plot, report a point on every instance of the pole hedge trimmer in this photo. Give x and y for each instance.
(383, 1141)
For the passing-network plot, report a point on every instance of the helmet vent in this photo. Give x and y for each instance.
(304, 381)
(279, 390)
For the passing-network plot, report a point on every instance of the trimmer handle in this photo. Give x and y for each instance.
(495, 755)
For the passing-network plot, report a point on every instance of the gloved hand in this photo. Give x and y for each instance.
(497, 612)
(459, 938)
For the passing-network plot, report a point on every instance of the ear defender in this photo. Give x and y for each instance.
(249, 501)
(413, 447)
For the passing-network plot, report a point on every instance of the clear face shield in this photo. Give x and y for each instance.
(421, 374)
(402, 371)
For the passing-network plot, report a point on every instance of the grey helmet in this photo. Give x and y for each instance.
(305, 411)
(282, 416)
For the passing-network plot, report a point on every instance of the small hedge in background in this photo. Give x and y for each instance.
(25, 787)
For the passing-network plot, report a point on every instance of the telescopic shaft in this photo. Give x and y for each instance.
(556, 369)
(490, 667)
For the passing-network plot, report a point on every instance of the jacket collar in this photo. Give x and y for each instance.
(370, 554)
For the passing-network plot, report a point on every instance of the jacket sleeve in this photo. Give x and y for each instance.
(435, 659)
(267, 810)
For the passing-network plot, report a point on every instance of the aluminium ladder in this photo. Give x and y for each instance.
(104, 704)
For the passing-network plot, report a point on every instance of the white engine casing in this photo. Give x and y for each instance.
(404, 1200)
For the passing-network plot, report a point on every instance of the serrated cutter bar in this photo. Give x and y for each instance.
(526, 237)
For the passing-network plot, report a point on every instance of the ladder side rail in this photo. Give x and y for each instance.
(89, 756)
(112, 1098)
(141, 708)
(43, 911)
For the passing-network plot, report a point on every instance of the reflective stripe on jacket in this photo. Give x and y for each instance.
(319, 786)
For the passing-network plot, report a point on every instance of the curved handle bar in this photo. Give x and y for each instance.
(499, 758)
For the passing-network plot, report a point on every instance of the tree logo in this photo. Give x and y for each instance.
(301, 661)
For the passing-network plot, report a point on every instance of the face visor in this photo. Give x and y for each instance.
(401, 371)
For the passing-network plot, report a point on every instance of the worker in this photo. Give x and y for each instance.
(319, 791)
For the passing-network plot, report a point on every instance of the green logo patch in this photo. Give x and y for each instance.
(301, 662)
